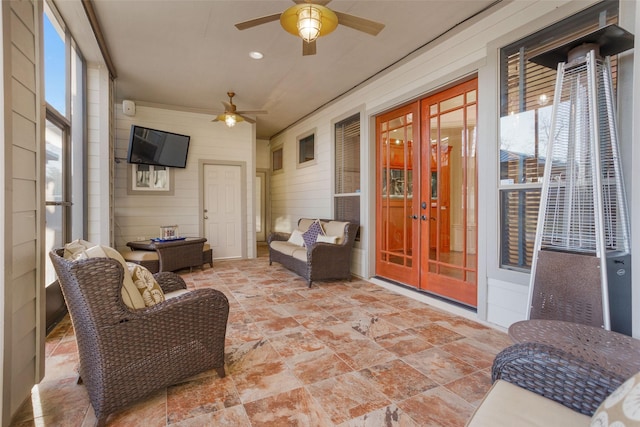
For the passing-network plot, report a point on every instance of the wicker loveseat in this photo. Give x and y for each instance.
(320, 260)
(126, 354)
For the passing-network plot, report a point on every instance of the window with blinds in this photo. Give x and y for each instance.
(526, 101)
(347, 170)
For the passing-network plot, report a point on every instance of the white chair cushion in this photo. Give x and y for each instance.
(509, 405)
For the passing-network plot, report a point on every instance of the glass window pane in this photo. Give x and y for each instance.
(306, 149)
(54, 214)
(347, 152)
(55, 69)
(518, 219)
(450, 103)
(277, 159)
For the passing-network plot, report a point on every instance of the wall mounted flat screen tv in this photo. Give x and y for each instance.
(157, 147)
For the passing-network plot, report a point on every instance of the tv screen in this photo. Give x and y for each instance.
(157, 147)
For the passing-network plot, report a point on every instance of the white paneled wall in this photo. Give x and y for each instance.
(142, 215)
(98, 156)
(465, 51)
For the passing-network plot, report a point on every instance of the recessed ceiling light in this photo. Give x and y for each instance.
(256, 55)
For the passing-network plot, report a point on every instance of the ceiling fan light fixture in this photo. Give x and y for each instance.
(307, 18)
(309, 23)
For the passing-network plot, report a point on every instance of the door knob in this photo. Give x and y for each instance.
(413, 216)
(423, 217)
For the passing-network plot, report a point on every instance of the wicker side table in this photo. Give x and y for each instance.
(613, 351)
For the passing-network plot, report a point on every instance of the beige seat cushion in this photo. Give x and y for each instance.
(300, 253)
(509, 405)
(138, 256)
(335, 228)
(305, 223)
(285, 247)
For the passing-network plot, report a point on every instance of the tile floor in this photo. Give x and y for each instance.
(338, 354)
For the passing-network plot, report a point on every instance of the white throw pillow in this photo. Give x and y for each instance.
(296, 238)
(327, 239)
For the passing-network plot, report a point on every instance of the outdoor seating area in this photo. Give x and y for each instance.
(316, 249)
(341, 353)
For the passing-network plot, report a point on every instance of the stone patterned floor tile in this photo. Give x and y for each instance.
(439, 365)
(437, 407)
(397, 380)
(292, 408)
(347, 396)
(341, 353)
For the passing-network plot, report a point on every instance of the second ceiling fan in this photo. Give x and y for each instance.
(311, 20)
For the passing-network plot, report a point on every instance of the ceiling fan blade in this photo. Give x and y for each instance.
(258, 21)
(246, 119)
(308, 48)
(252, 112)
(360, 24)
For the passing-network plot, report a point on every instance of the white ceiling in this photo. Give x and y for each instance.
(189, 53)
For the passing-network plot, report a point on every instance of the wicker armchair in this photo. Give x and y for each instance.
(128, 354)
(557, 375)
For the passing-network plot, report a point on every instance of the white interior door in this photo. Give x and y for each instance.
(223, 216)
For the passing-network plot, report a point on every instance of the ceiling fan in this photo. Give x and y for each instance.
(231, 115)
(312, 19)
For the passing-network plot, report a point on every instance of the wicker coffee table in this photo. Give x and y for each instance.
(174, 254)
(617, 352)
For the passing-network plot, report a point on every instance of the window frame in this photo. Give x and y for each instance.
(274, 150)
(349, 119)
(300, 139)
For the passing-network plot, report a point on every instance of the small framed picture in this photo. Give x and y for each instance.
(150, 179)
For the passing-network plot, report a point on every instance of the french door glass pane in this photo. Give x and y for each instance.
(397, 189)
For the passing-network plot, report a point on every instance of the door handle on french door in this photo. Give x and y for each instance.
(413, 216)
(423, 217)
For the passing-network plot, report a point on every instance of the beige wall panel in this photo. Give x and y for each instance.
(24, 351)
(23, 324)
(24, 195)
(24, 289)
(24, 10)
(24, 260)
(24, 100)
(22, 37)
(23, 69)
(24, 163)
(24, 227)
(21, 382)
(23, 131)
